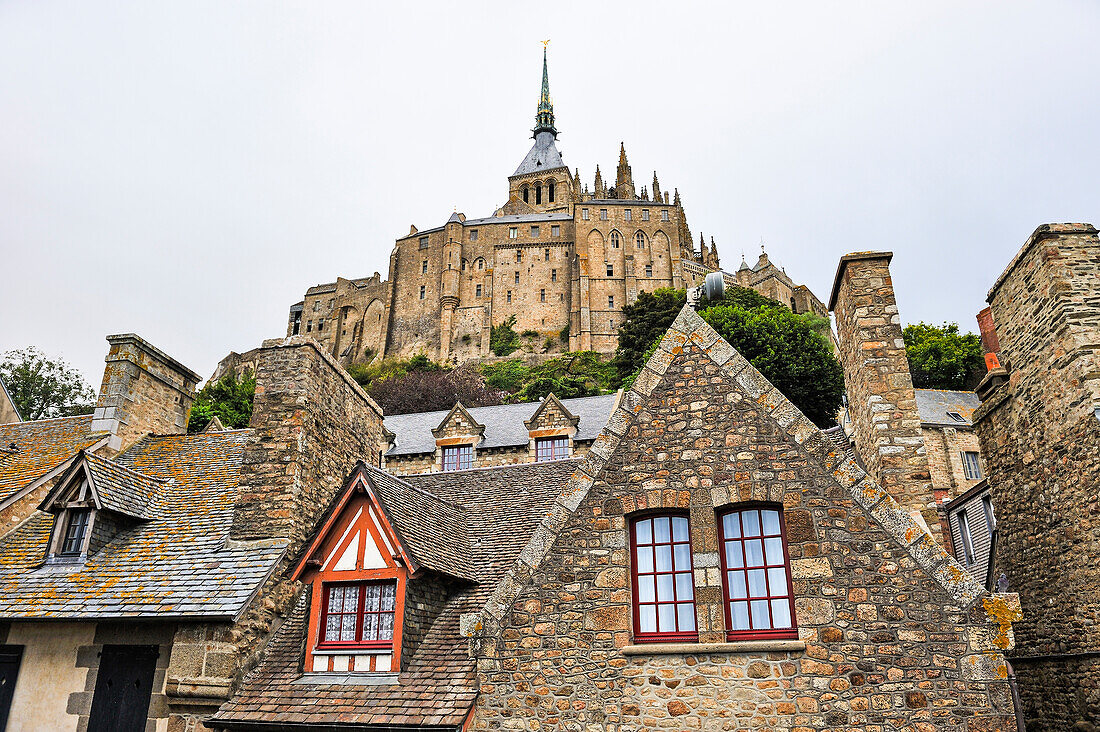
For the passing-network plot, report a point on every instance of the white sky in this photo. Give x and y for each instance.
(185, 170)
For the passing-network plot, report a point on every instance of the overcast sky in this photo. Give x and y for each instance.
(185, 170)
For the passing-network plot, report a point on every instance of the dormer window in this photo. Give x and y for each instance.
(551, 448)
(76, 532)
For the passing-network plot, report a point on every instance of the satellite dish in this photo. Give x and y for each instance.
(714, 286)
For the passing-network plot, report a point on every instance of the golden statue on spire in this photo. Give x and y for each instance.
(545, 44)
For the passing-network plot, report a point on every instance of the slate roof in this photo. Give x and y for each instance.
(520, 219)
(121, 489)
(543, 155)
(40, 446)
(175, 565)
(503, 424)
(934, 404)
(422, 520)
(503, 507)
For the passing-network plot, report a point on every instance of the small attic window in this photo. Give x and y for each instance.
(956, 416)
(76, 532)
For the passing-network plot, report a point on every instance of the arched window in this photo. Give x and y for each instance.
(615, 239)
(525, 194)
(662, 579)
(756, 575)
(538, 193)
(639, 239)
(550, 191)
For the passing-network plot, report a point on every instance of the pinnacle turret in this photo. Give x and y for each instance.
(544, 117)
(624, 181)
(656, 187)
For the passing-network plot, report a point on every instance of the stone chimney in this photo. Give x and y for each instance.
(881, 402)
(144, 390)
(1039, 430)
(311, 423)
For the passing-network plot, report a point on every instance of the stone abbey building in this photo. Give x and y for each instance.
(561, 259)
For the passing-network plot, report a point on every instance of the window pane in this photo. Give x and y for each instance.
(757, 585)
(754, 553)
(679, 528)
(738, 588)
(685, 612)
(739, 616)
(664, 558)
(385, 632)
(733, 555)
(777, 581)
(370, 626)
(684, 588)
(644, 531)
(760, 618)
(771, 521)
(332, 628)
(660, 530)
(683, 556)
(781, 613)
(336, 599)
(773, 547)
(645, 559)
(372, 595)
(751, 521)
(731, 526)
(347, 632)
(666, 618)
(647, 619)
(664, 588)
(645, 589)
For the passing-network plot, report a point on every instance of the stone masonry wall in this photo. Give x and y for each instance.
(943, 445)
(1040, 441)
(885, 646)
(880, 389)
(310, 424)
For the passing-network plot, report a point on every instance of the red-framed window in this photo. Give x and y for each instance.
(663, 583)
(756, 575)
(551, 448)
(458, 457)
(358, 614)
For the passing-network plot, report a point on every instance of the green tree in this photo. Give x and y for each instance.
(785, 348)
(229, 399)
(503, 338)
(791, 350)
(942, 358)
(42, 387)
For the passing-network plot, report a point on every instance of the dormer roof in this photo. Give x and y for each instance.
(551, 402)
(111, 487)
(459, 416)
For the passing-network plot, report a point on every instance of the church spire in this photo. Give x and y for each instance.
(624, 181)
(544, 118)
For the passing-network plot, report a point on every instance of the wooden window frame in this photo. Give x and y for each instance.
(969, 555)
(457, 450)
(755, 633)
(677, 636)
(360, 616)
(556, 445)
(68, 521)
(976, 472)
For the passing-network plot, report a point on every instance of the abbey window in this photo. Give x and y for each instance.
(756, 574)
(550, 191)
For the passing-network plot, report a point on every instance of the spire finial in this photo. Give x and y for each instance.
(544, 117)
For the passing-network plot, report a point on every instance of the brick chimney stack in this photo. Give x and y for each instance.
(144, 390)
(881, 401)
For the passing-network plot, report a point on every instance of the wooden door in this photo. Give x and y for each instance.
(10, 656)
(123, 688)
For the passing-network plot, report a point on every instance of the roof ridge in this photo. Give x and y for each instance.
(512, 466)
(45, 419)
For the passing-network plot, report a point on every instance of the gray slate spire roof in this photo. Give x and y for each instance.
(544, 153)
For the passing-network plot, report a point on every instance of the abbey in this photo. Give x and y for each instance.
(561, 259)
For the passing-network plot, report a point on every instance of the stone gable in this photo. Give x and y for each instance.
(890, 630)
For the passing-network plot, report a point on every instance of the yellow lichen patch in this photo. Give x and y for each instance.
(1003, 609)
